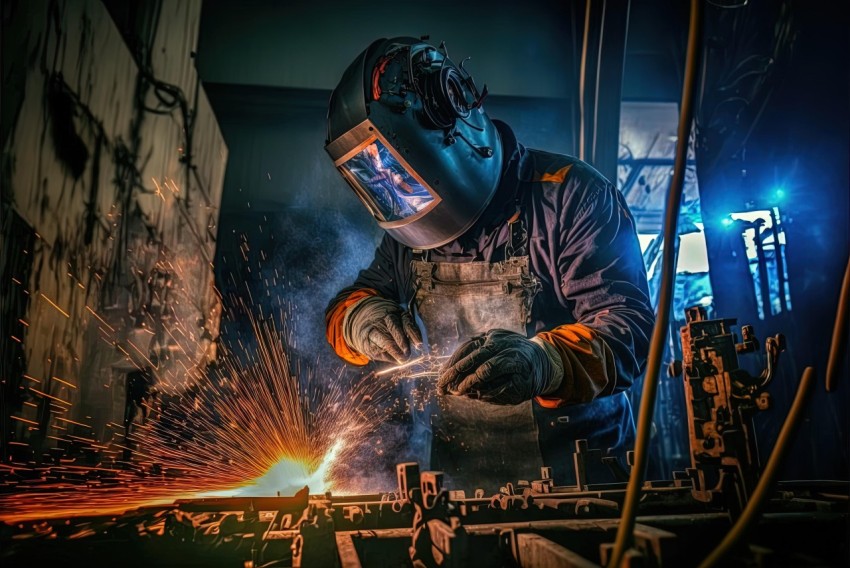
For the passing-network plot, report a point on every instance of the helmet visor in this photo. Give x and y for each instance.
(384, 181)
(384, 184)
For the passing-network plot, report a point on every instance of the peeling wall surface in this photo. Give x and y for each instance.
(112, 178)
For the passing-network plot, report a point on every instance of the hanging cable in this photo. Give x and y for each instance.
(598, 75)
(839, 333)
(581, 81)
(760, 493)
(625, 529)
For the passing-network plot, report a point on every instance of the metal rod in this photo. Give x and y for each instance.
(625, 538)
(839, 333)
(581, 82)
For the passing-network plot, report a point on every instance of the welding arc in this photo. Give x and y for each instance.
(839, 333)
(625, 536)
(400, 367)
(760, 493)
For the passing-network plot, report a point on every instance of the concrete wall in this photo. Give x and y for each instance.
(111, 186)
(516, 48)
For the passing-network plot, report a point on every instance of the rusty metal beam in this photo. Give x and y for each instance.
(536, 551)
(348, 557)
(662, 544)
(551, 525)
(381, 533)
(559, 524)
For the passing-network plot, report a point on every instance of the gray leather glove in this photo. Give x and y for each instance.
(379, 329)
(502, 367)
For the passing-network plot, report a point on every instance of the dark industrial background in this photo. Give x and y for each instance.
(773, 110)
(159, 150)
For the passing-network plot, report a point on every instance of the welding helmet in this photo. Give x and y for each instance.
(407, 132)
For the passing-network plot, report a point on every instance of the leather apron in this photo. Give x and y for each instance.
(478, 444)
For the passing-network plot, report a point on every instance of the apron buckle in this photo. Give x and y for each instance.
(424, 284)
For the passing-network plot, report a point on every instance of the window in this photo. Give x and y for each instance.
(645, 166)
(764, 239)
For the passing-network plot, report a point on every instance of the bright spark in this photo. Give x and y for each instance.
(399, 367)
(286, 477)
(423, 366)
(260, 423)
(254, 426)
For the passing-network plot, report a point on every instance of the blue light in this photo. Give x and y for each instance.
(727, 221)
(779, 193)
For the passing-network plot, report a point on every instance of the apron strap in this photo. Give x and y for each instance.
(421, 255)
(517, 244)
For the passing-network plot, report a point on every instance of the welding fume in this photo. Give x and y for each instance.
(560, 287)
(520, 268)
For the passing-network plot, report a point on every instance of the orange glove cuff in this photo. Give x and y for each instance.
(574, 343)
(333, 322)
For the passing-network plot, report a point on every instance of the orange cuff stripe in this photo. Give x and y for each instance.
(575, 336)
(334, 320)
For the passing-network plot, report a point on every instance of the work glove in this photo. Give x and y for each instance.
(502, 367)
(379, 329)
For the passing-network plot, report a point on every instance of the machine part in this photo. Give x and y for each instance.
(438, 538)
(448, 543)
(720, 401)
(652, 545)
(314, 544)
(580, 458)
(804, 523)
(425, 523)
(760, 494)
(545, 483)
(408, 480)
(347, 552)
(534, 550)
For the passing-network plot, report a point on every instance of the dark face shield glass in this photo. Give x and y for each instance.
(392, 191)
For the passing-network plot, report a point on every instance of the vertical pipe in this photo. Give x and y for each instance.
(594, 125)
(659, 333)
(839, 333)
(582, 77)
(600, 91)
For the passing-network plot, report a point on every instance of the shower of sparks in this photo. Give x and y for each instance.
(261, 421)
(259, 424)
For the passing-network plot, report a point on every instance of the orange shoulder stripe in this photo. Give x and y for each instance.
(556, 177)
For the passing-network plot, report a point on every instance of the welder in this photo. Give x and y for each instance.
(521, 267)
